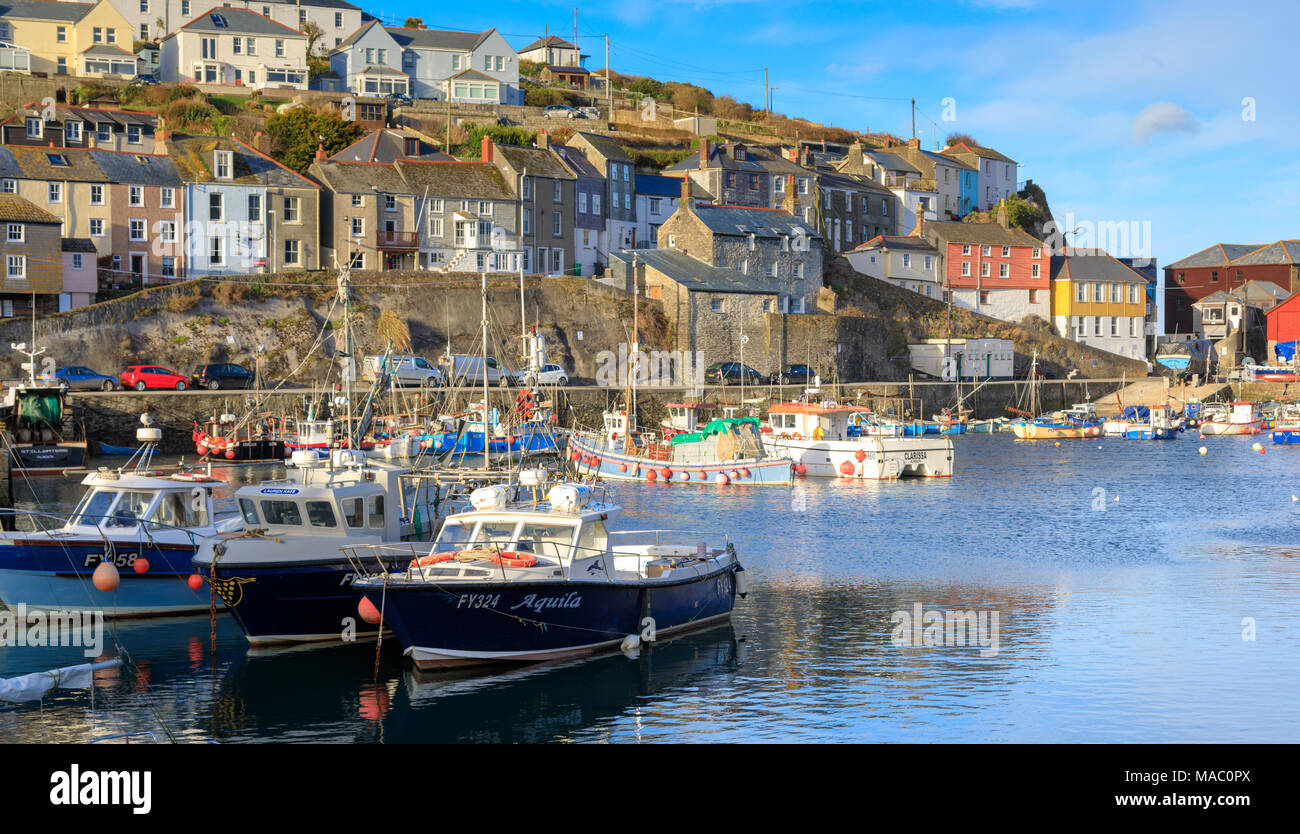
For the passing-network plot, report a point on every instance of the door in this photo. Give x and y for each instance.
(137, 267)
(541, 259)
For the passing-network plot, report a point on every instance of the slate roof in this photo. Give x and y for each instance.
(45, 10)
(696, 275)
(539, 162)
(385, 145)
(1279, 252)
(438, 39)
(109, 50)
(720, 156)
(13, 207)
(79, 244)
(36, 163)
(741, 221)
(9, 167)
(473, 180)
(557, 68)
(657, 186)
(549, 40)
(193, 156)
(474, 75)
(952, 231)
(976, 150)
(899, 243)
(137, 169)
(605, 146)
(891, 162)
(360, 177)
(578, 163)
(857, 182)
(1089, 265)
(239, 22)
(354, 37)
(1220, 254)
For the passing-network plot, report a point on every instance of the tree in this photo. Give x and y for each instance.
(314, 35)
(297, 132)
(413, 23)
(958, 138)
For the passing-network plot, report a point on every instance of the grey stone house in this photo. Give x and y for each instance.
(616, 167)
(545, 189)
(728, 174)
(590, 241)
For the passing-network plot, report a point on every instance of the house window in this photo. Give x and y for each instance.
(1034, 270)
(907, 261)
(984, 269)
(771, 270)
(1114, 325)
(358, 226)
(984, 296)
(185, 8)
(237, 43)
(168, 266)
(8, 186)
(76, 260)
(97, 35)
(358, 260)
(1004, 270)
(1214, 276)
(986, 250)
(35, 127)
(279, 49)
(356, 201)
(1096, 325)
(582, 203)
(250, 48)
(61, 34)
(167, 197)
(1038, 253)
(96, 227)
(223, 163)
(104, 132)
(716, 305)
(137, 230)
(16, 269)
(1033, 296)
(291, 210)
(15, 233)
(167, 230)
(485, 207)
(798, 271)
(136, 195)
(338, 20)
(1114, 293)
(255, 208)
(557, 192)
(133, 134)
(965, 268)
(435, 227)
(216, 206)
(803, 186)
(217, 252)
(291, 253)
(1099, 293)
(595, 204)
(528, 221)
(56, 192)
(558, 224)
(778, 184)
(929, 263)
(97, 195)
(72, 131)
(1006, 251)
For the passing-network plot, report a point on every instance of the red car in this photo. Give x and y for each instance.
(141, 377)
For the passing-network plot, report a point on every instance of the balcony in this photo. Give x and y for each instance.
(387, 241)
(910, 184)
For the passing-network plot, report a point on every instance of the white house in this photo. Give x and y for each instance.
(235, 46)
(470, 67)
(996, 172)
(912, 263)
(553, 51)
(656, 200)
(917, 195)
(370, 62)
(154, 19)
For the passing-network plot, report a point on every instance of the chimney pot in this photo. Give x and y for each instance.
(320, 152)
(485, 149)
(704, 151)
(687, 201)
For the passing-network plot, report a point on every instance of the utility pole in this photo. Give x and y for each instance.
(609, 85)
(913, 118)
(767, 94)
(577, 53)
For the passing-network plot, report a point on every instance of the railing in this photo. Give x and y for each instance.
(385, 239)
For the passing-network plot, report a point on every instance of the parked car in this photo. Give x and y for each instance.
(78, 378)
(795, 375)
(561, 111)
(548, 375)
(732, 373)
(470, 370)
(399, 100)
(214, 377)
(406, 370)
(146, 79)
(590, 112)
(141, 377)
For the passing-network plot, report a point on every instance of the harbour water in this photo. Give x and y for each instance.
(1142, 592)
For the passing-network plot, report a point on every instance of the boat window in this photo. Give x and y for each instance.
(452, 537)
(593, 538)
(377, 511)
(354, 511)
(495, 532)
(281, 512)
(547, 539)
(130, 510)
(249, 509)
(94, 507)
(183, 509)
(320, 514)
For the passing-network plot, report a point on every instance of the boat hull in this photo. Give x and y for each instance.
(48, 458)
(1286, 434)
(1034, 431)
(871, 459)
(55, 575)
(1217, 428)
(462, 625)
(590, 458)
(303, 602)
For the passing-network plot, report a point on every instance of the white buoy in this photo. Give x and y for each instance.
(631, 644)
(1257, 446)
(721, 479)
(1202, 450)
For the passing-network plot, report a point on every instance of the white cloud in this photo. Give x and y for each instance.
(1162, 117)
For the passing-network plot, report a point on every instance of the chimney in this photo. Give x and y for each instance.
(687, 200)
(320, 152)
(919, 231)
(543, 140)
(485, 149)
(914, 143)
(792, 154)
(1002, 215)
(704, 152)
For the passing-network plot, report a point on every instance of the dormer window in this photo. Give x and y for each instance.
(35, 127)
(222, 167)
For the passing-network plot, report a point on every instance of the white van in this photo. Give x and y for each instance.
(470, 370)
(406, 370)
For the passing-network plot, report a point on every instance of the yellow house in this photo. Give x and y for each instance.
(1099, 301)
(85, 39)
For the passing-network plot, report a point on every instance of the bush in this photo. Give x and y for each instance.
(542, 97)
(183, 91)
(182, 300)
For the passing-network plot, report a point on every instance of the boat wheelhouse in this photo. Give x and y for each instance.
(1287, 427)
(42, 436)
(1237, 418)
(821, 440)
(544, 578)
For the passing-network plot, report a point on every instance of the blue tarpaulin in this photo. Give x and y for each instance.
(1139, 413)
(1285, 351)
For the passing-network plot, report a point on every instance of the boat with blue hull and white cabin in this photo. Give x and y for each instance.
(286, 580)
(825, 440)
(541, 579)
(148, 524)
(1287, 428)
(723, 451)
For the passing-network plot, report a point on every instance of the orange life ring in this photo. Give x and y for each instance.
(514, 559)
(797, 436)
(432, 559)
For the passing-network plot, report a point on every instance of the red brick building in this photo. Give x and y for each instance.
(1226, 266)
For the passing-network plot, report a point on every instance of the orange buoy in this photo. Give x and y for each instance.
(106, 577)
(666, 472)
(860, 455)
(195, 581)
(721, 479)
(651, 475)
(141, 565)
(846, 468)
(368, 611)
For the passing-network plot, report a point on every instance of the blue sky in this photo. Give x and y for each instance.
(1122, 111)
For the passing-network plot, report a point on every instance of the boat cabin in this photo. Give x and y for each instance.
(686, 417)
(124, 502)
(811, 421)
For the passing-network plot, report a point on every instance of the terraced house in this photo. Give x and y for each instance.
(546, 191)
(369, 62)
(955, 181)
(58, 38)
(126, 204)
(590, 239)
(245, 212)
(235, 46)
(151, 19)
(435, 214)
(33, 258)
(1099, 301)
(81, 127)
(1226, 266)
(992, 268)
(995, 172)
(615, 166)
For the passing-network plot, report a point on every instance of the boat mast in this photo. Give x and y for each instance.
(349, 369)
(487, 450)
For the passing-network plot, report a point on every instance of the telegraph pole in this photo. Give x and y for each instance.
(767, 94)
(577, 53)
(609, 84)
(913, 118)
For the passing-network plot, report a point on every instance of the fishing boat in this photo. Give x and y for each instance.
(1081, 420)
(817, 437)
(231, 438)
(725, 450)
(143, 525)
(1238, 418)
(545, 578)
(1287, 428)
(1157, 422)
(38, 430)
(285, 579)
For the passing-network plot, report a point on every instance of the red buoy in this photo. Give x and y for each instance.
(195, 581)
(230, 454)
(704, 476)
(106, 577)
(860, 455)
(141, 565)
(666, 472)
(744, 473)
(651, 475)
(368, 611)
(800, 469)
(846, 468)
(622, 467)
